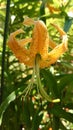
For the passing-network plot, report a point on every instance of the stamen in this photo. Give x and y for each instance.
(39, 85)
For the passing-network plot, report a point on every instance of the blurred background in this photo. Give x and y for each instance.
(19, 111)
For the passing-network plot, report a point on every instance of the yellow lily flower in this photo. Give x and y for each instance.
(39, 44)
(37, 55)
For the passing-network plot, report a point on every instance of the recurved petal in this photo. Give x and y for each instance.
(21, 53)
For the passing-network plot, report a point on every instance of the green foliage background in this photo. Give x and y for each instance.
(31, 111)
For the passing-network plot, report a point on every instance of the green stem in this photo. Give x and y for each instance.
(4, 50)
(41, 89)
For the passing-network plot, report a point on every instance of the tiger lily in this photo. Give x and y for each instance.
(39, 44)
(37, 56)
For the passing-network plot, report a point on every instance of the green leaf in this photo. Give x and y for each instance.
(58, 111)
(68, 23)
(62, 126)
(42, 11)
(50, 82)
(36, 120)
(56, 123)
(65, 80)
(9, 99)
(26, 114)
(67, 65)
(69, 105)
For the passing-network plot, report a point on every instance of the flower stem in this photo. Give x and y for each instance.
(41, 89)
